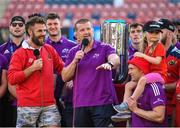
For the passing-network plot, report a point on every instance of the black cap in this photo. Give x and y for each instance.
(151, 26)
(17, 18)
(167, 24)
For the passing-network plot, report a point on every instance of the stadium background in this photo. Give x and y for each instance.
(96, 10)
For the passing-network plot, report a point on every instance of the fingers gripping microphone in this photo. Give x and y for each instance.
(85, 42)
(36, 53)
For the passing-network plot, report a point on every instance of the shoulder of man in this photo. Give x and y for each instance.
(175, 52)
(156, 88)
(3, 47)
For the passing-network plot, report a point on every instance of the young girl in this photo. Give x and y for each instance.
(154, 53)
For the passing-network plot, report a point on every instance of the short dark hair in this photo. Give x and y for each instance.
(35, 14)
(80, 21)
(32, 21)
(135, 25)
(52, 16)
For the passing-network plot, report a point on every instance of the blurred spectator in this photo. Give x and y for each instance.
(132, 15)
(96, 15)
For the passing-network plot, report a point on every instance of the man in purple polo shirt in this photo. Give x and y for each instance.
(17, 35)
(149, 110)
(3, 83)
(89, 65)
(136, 36)
(62, 46)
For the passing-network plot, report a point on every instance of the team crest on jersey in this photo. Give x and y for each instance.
(65, 50)
(172, 62)
(96, 55)
(30, 60)
(6, 51)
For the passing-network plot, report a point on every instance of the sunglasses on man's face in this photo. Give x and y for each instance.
(19, 24)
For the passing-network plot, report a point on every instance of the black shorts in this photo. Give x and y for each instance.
(95, 116)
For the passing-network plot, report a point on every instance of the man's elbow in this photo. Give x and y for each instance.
(64, 76)
(160, 118)
(12, 80)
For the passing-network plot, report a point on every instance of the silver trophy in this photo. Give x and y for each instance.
(115, 33)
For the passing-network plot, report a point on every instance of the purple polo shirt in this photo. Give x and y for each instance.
(62, 47)
(152, 97)
(131, 51)
(3, 64)
(8, 48)
(92, 87)
(177, 45)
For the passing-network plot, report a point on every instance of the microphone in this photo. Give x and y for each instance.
(36, 53)
(85, 42)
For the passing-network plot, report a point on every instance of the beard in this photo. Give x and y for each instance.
(36, 40)
(163, 40)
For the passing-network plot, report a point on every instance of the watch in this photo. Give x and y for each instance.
(111, 64)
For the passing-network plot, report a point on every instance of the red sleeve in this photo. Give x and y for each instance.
(160, 50)
(15, 73)
(178, 84)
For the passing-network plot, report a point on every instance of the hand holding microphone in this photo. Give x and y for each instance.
(80, 54)
(38, 63)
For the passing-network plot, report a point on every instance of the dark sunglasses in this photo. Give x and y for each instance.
(15, 24)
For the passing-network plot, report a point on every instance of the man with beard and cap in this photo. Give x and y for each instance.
(62, 46)
(89, 65)
(17, 35)
(168, 29)
(31, 70)
(173, 68)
